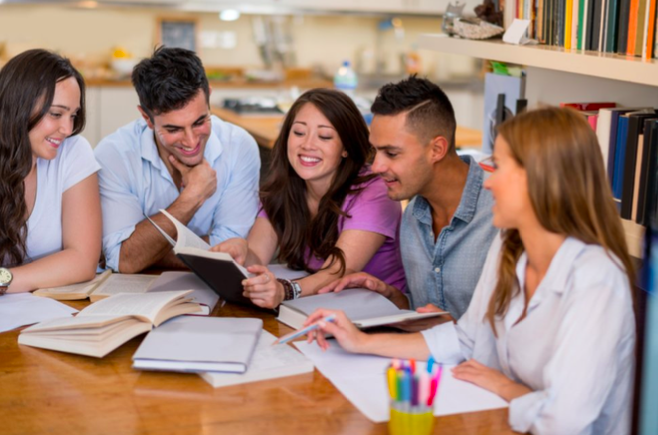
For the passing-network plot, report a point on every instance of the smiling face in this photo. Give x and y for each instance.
(404, 163)
(182, 133)
(57, 124)
(314, 147)
(509, 187)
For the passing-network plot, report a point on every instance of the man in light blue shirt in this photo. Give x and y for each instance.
(447, 227)
(179, 157)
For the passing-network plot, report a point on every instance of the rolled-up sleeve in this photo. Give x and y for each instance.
(122, 210)
(236, 211)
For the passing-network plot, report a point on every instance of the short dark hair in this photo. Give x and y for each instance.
(429, 111)
(168, 80)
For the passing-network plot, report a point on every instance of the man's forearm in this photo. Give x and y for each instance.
(146, 246)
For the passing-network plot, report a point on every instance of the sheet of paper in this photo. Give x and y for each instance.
(186, 237)
(82, 287)
(515, 33)
(25, 309)
(362, 380)
(124, 283)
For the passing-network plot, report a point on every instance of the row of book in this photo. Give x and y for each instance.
(629, 144)
(626, 27)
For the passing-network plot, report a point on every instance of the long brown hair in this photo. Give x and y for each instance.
(27, 88)
(283, 194)
(568, 190)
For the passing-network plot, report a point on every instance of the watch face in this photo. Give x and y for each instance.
(5, 276)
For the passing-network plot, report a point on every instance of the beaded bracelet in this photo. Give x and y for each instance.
(288, 291)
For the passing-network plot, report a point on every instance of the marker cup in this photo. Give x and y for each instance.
(410, 420)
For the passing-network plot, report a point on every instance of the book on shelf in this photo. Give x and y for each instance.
(363, 307)
(199, 344)
(267, 362)
(217, 269)
(648, 191)
(107, 284)
(628, 179)
(627, 27)
(107, 324)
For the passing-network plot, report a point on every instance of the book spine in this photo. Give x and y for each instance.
(643, 169)
(574, 25)
(620, 159)
(613, 20)
(582, 4)
(622, 33)
(632, 27)
(612, 147)
(568, 11)
(641, 27)
(596, 25)
(603, 25)
(647, 49)
(559, 23)
(630, 159)
(651, 202)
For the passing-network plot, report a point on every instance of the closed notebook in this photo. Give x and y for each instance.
(268, 362)
(363, 307)
(199, 344)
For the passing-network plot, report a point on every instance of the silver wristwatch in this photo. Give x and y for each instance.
(296, 289)
(5, 280)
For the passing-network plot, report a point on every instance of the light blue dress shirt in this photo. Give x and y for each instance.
(134, 180)
(445, 271)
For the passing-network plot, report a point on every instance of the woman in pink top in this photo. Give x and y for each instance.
(322, 210)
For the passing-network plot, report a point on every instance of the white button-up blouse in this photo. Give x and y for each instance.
(574, 349)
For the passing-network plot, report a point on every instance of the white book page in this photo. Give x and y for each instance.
(125, 304)
(82, 287)
(25, 308)
(362, 380)
(186, 237)
(124, 283)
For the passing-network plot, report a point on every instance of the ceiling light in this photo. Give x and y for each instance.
(229, 15)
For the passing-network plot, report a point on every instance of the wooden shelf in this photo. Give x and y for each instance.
(604, 65)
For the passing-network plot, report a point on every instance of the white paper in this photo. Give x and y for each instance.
(515, 33)
(362, 380)
(186, 237)
(25, 309)
(124, 283)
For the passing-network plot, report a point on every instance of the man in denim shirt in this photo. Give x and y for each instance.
(446, 229)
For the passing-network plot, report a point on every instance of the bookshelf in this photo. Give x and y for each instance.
(603, 65)
(555, 75)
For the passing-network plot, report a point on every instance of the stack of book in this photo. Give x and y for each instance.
(628, 137)
(626, 27)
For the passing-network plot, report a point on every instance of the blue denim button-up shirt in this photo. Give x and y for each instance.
(444, 272)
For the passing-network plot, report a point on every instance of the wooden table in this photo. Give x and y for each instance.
(51, 392)
(265, 128)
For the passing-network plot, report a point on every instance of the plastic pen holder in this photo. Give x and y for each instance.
(410, 420)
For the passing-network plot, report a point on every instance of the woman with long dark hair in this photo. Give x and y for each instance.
(550, 327)
(50, 215)
(322, 209)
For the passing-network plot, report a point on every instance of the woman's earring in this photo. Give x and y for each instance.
(344, 154)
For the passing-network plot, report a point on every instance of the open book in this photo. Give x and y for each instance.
(107, 284)
(102, 327)
(103, 285)
(268, 362)
(198, 344)
(363, 307)
(217, 269)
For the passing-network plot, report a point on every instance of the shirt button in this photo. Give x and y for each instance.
(437, 269)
